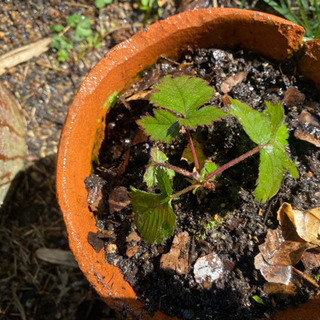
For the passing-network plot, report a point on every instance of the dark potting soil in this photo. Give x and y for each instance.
(227, 221)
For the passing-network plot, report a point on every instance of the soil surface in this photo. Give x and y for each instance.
(225, 225)
(37, 284)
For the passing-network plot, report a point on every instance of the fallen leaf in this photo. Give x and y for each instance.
(177, 258)
(94, 241)
(307, 223)
(118, 199)
(139, 137)
(141, 95)
(292, 97)
(306, 118)
(308, 137)
(276, 274)
(57, 256)
(233, 81)
(311, 260)
(282, 291)
(187, 154)
(207, 269)
(276, 251)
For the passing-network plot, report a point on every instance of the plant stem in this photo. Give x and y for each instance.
(234, 162)
(174, 168)
(185, 190)
(193, 151)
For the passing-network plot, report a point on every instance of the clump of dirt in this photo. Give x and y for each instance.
(226, 225)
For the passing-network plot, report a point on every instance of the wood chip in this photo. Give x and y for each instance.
(233, 81)
(118, 199)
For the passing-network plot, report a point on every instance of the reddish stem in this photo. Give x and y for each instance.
(174, 168)
(193, 151)
(234, 162)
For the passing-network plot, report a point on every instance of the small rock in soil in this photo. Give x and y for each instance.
(207, 269)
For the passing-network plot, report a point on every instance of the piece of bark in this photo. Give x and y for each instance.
(23, 54)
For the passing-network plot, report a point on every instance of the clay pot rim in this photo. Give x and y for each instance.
(71, 201)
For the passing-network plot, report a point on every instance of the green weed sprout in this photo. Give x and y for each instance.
(181, 104)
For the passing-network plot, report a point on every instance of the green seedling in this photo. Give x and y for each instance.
(77, 32)
(102, 3)
(181, 106)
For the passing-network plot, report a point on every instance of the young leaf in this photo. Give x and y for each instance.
(274, 160)
(208, 168)
(162, 127)
(255, 124)
(182, 98)
(150, 176)
(164, 183)
(153, 215)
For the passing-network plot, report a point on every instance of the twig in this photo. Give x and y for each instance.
(23, 54)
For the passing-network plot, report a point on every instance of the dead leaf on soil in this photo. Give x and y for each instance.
(118, 199)
(311, 260)
(132, 248)
(306, 118)
(308, 137)
(141, 95)
(207, 269)
(307, 224)
(282, 291)
(233, 81)
(139, 137)
(177, 258)
(94, 241)
(292, 97)
(187, 154)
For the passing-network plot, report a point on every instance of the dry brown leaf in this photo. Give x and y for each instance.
(311, 260)
(308, 137)
(118, 199)
(307, 223)
(187, 154)
(233, 81)
(276, 274)
(282, 291)
(293, 97)
(306, 118)
(276, 251)
(177, 258)
(141, 95)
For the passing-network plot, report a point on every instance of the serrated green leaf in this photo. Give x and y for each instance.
(181, 94)
(208, 168)
(153, 215)
(162, 127)
(203, 116)
(274, 162)
(255, 124)
(276, 115)
(150, 176)
(164, 183)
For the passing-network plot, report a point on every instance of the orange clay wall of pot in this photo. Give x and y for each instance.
(264, 34)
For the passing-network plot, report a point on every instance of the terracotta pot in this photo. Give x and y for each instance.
(83, 131)
(12, 126)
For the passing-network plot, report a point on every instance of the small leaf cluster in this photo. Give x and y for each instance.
(77, 30)
(181, 105)
(305, 13)
(102, 3)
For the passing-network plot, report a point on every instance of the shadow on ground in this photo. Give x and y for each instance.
(30, 287)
